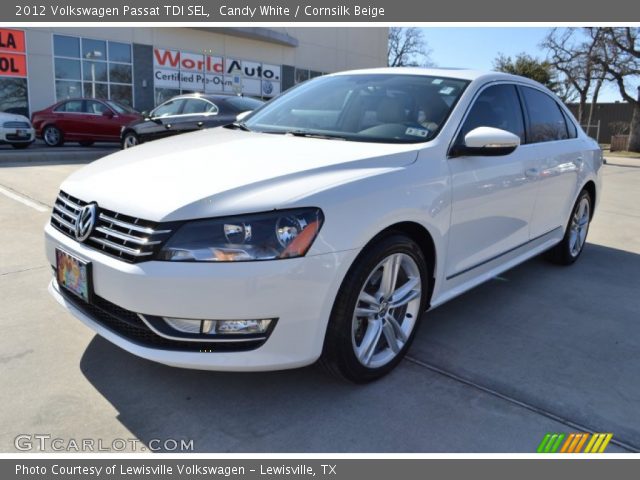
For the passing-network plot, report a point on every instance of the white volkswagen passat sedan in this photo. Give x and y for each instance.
(324, 224)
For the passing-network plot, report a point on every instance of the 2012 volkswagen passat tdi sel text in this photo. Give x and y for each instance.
(324, 224)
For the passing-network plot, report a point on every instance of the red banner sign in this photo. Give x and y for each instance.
(12, 41)
(13, 65)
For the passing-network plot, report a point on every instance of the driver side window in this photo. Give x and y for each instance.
(497, 106)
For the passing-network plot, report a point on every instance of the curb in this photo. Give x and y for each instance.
(55, 157)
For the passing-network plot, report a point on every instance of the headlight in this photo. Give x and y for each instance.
(261, 236)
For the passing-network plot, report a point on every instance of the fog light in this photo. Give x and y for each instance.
(242, 326)
(218, 327)
(185, 325)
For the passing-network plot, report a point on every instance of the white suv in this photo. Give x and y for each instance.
(324, 224)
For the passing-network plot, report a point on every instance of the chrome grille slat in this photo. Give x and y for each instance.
(125, 237)
(120, 248)
(122, 236)
(16, 124)
(63, 222)
(131, 226)
(69, 203)
(64, 211)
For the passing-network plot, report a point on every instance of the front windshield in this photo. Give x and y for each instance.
(367, 107)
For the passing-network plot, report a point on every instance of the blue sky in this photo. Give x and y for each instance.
(477, 47)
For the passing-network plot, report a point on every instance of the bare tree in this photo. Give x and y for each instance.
(619, 57)
(407, 48)
(574, 56)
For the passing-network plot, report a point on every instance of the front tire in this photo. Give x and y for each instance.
(377, 310)
(20, 146)
(129, 140)
(575, 237)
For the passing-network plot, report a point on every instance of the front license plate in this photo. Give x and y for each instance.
(73, 274)
(22, 133)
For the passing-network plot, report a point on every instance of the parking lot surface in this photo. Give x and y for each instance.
(539, 349)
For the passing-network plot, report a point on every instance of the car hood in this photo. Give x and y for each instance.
(12, 117)
(223, 172)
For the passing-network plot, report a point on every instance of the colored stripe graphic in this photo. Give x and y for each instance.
(571, 439)
(543, 443)
(573, 442)
(581, 442)
(550, 443)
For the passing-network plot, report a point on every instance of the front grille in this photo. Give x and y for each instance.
(13, 136)
(14, 124)
(127, 324)
(128, 238)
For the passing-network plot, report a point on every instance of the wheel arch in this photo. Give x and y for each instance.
(423, 238)
(590, 187)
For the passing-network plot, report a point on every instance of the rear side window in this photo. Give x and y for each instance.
(194, 106)
(571, 127)
(497, 106)
(72, 106)
(546, 120)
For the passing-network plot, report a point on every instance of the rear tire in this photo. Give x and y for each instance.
(52, 136)
(569, 249)
(373, 320)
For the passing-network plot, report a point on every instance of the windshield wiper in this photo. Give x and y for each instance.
(310, 134)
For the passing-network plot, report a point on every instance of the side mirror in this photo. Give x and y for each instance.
(242, 115)
(487, 141)
(107, 113)
(145, 114)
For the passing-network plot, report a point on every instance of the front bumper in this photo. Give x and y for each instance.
(9, 135)
(298, 292)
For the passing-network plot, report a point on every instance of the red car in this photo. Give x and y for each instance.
(82, 120)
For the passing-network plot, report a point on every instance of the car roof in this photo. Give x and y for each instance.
(457, 73)
(210, 96)
(85, 98)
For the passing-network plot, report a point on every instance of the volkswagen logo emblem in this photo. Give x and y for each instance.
(85, 221)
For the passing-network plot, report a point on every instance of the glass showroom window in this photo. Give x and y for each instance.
(86, 67)
(13, 95)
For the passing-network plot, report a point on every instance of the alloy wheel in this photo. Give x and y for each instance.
(130, 141)
(387, 309)
(51, 136)
(579, 227)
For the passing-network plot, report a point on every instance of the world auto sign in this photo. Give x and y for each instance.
(214, 74)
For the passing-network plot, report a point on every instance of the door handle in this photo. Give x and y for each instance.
(167, 126)
(200, 124)
(531, 173)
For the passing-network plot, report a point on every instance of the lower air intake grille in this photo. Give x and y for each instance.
(127, 324)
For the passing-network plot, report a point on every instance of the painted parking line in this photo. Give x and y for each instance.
(24, 200)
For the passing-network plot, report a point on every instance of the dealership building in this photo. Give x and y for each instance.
(144, 66)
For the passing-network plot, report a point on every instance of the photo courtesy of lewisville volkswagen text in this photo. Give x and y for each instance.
(321, 249)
